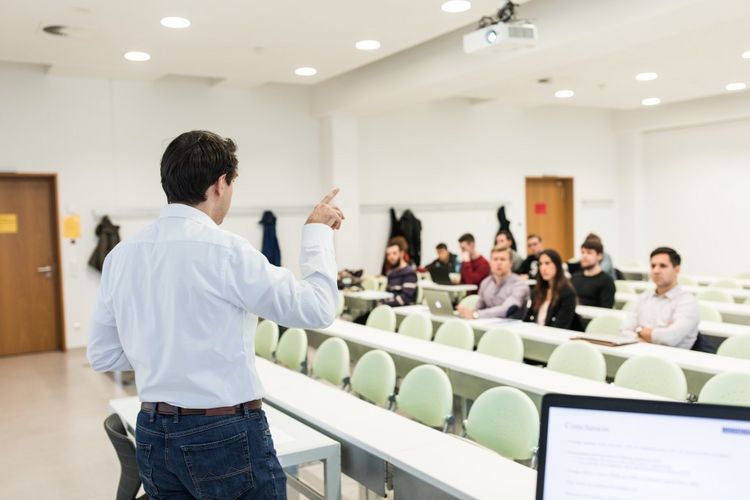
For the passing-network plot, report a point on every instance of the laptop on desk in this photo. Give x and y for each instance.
(439, 302)
(626, 449)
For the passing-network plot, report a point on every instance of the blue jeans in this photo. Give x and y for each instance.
(210, 458)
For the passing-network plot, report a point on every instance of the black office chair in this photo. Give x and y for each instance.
(130, 482)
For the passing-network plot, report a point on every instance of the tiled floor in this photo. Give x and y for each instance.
(52, 435)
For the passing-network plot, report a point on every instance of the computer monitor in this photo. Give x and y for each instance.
(621, 449)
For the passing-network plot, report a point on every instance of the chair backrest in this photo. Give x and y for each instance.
(687, 281)
(502, 343)
(629, 306)
(747, 300)
(374, 377)
(743, 276)
(340, 306)
(420, 294)
(624, 287)
(737, 346)
(292, 350)
(469, 301)
(505, 420)
(416, 325)
(426, 395)
(331, 361)
(369, 283)
(728, 283)
(605, 325)
(382, 318)
(382, 282)
(653, 375)
(266, 339)
(715, 295)
(579, 358)
(709, 312)
(457, 333)
(130, 482)
(727, 389)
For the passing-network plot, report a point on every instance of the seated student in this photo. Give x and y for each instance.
(607, 265)
(553, 301)
(502, 293)
(593, 286)
(401, 241)
(474, 267)
(402, 277)
(504, 239)
(530, 266)
(445, 264)
(667, 315)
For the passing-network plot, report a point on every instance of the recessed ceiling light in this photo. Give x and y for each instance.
(646, 77)
(651, 101)
(564, 94)
(734, 87)
(175, 22)
(454, 6)
(367, 45)
(305, 71)
(137, 56)
(746, 54)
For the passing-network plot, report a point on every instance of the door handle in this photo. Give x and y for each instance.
(46, 270)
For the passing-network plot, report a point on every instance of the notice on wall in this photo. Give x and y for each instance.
(540, 208)
(72, 227)
(8, 223)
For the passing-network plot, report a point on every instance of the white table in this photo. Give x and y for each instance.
(730, 312)
(296, 444)
(374, 440)
(540, 341)
(429, 285)
(369, 295)
(644, 272)
(739, 295)
(533, 380)
(715, 329)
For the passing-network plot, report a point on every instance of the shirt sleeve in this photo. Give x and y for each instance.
(607, 294)
(407, 294)
(685, 319)
(272, 292)
(566, 311)
(518, 297)
(104, 350)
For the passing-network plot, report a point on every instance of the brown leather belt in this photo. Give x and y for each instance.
(168, 409)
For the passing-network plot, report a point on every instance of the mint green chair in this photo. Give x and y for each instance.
(743, 276)
(715, 295)
(505, 420)
(331, 361)
(629, 306)
(426, 395)
(737, 346)
(502, 343)
(653, 375)
(728, 284)
(727, 389)
(624, 287)
(418, 326)
(456, 333)
(709, 312)
(469, 301)
(578, 358)
(292, 349)
(369, 283)
(747, 300)
(340, 305)
(605, 325)
(382, 318)
(266, 339)
(374, 377)
(687, 281)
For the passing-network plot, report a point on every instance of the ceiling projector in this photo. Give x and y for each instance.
(500, 37)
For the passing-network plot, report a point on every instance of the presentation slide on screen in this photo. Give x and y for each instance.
(607, 455)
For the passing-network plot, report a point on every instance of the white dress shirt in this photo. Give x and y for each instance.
(179, 304)
(673, 316)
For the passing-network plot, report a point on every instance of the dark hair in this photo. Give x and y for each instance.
(558, 282)
(398, 241)
(441, 246)
(674, 257)
(506, 233)
(534, 235)
(466, 238)
(593, 244)
(192, 162)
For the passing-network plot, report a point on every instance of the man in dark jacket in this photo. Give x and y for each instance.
(445, 264)
(402, 277)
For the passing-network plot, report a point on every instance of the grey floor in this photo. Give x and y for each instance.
(52, 435)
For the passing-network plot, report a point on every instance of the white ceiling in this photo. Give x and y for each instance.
(594, 47)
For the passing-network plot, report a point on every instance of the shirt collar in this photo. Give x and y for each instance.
(674, 292)
(186, 212)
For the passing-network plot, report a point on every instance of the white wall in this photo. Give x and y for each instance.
(105, 139)
(481, 154)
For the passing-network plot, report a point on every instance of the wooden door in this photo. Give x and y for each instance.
(549, 212)
(30, 286)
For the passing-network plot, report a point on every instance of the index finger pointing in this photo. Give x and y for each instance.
(330, 196)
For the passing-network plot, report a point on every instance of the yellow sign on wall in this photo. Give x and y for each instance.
(8, 223)
(72, 227)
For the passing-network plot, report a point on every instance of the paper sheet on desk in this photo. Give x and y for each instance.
(279, 436)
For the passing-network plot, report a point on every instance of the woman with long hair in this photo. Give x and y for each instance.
(553, 301)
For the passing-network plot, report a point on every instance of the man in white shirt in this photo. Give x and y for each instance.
(179, 304)
(667, 315)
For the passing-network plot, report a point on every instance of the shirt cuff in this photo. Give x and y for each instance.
(317, 235)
